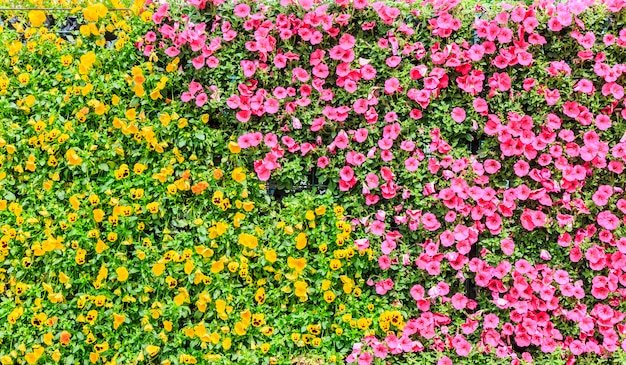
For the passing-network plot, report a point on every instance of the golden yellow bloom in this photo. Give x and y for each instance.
(217, 266)
(238, 175)
(152, 350)
(260, 295)
(271, 256)
(248, 240)
(300, 288)
(153, 207)
(335, 264)
(158, 268)
(122, 273)
(139, 168)
(33, 357)
(329, 296)
(301, 241)
(72, 157)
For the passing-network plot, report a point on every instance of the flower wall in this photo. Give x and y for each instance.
(263, 182)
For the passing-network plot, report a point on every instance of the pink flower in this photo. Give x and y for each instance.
(461, 345)
(306, 5)
(602, 195)
(491, 166)
(459, 301)
(491, 321)
(151, 36)
(529, 84)
(508, 246)
(587, 40)
(362, 244)
(263, 173)
(300, 74)
(384, 262)
(201, 99)
(347, 41)
(430, 222)
(361, 4)
(521, 168)
(386, 173)
(248, 67)
(603, 122)
(372, 181)
(361, 135)
(472, 82)
(480, 105)
(393, 61)
(242, 10)
(365, 358)
(411, 164)
(198, 62)
(243, 115)
(552, 96)
(341, 140)
(523, 266)
(458, 114)
(360, 106)
(392, 85)
(577, 347)
(368, 72)
(608, 220)
(186, 97)
(346, 173)
(380, 350)
(172, 51)
(377, 227)
(570, 108)
(532, 219)
(322, 162)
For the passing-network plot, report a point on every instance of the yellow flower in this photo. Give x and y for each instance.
(158, 268)
(101, 347)
(122, 273)
(300, 288)
(248, 240)
(33, 357)
(153, 207)
(271, 256)
(152, 350)
(335, 264)
(234, 147)
(72, 157)
(36, 18)
(260, 295)
(23, 78)
(238, 175)
(329, 296)
(217, 266)
(301, 241)
(297, 264)
(139, 168)
(95, 12)
(98, 215)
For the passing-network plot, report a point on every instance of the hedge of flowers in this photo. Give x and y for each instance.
(258, 182)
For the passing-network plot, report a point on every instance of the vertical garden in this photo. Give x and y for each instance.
(312, 182)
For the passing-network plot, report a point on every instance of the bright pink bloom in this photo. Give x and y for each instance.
(242, 10)
(392, 85)
(458, 114)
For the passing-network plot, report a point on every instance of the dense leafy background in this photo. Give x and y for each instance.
(253, 182)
